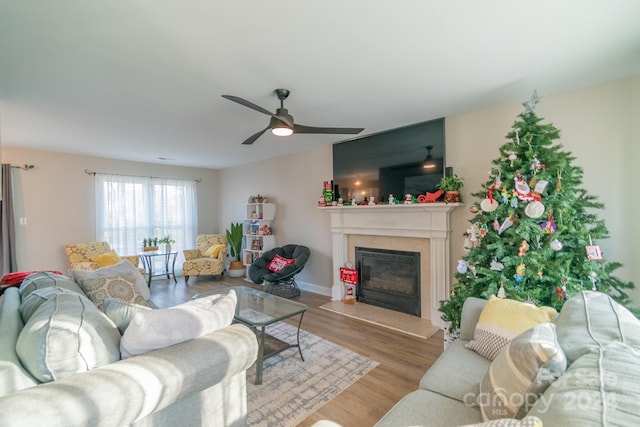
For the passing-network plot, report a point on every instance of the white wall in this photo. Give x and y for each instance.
(57, 199)
(596, 125)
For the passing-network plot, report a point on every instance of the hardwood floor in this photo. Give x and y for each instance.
(403, 359)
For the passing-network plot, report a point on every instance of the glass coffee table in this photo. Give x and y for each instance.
(258, 310)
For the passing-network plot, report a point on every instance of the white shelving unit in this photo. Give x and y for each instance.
(257, 230)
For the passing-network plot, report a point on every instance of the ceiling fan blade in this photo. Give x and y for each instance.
(246, 103)
(255, 136)
(312, 129)
(253, 106)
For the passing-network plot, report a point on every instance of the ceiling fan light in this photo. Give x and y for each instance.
(282, 131)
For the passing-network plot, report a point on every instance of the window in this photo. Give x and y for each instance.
(130, 209)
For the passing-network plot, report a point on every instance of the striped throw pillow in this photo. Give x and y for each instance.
(503, 319)
(519, 375)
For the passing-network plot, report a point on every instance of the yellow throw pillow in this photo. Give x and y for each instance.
(106, 259)
(214, 251)
(502, 320)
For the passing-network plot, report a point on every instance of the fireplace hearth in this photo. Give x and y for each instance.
(389, 279)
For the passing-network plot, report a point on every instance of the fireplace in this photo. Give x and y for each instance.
(389, 279)
(422, 228)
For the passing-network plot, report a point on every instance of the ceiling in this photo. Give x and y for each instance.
(142, 80)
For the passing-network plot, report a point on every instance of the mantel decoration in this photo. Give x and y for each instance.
(451, 186)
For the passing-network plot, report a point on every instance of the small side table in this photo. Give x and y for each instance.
(169, 257)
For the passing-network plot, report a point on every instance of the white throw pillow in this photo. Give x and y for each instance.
(154, 329)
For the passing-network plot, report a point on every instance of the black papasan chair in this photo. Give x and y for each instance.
(280, 283)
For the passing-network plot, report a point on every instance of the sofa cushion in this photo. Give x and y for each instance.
(601, 388)
(426, 408)
(123, 267)
(45, 279)
(154, 329)
(13, 376)
(457, 373)
(502, 320)
(106, 259)
(590, 320)
(67, 334)
(521, 373)
(35, 299)
(121, 286)
(121, 313)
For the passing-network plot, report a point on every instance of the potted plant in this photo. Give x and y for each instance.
(234, 239)
(167, 240)
(451, 186)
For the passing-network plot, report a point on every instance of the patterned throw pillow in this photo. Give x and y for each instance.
(519, 375)
(502, 320)
(123, 267)
(122, 287)
(278, 263)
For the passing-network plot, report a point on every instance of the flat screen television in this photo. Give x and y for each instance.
(391, 162)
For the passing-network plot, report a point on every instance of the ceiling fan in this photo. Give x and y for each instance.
(281, 122)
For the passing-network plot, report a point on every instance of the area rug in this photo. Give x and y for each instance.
(291, 389)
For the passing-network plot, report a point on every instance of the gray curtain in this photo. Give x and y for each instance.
(8, 229)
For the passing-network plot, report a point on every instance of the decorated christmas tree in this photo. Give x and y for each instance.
(535, 230)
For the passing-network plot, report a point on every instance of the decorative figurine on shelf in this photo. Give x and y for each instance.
(392, 199)
(408, 199)
(340, 201)
(372, 201)
(265, 230)
(254, 215)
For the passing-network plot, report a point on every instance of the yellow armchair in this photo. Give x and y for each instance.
(81, 255)
(208, 257)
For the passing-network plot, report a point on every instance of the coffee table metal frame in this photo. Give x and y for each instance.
(257, 310)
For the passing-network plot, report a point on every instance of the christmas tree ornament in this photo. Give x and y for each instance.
(559, 182)
(501, 292)
(534, 209)
(506, 224)
(463, 266)
(549, 226)
(489, 205)
(496, 266)
(505, 195)
(524, 247)
(540, 186)
(514, 202)
(474, 209)
(556, 245)
(532, 103)
(483, 230)
(522, 189)
(594, 278)
(593, 251)
(517, 136)
(512, 157)
(539, 274)
(496, 224)
(520, 270)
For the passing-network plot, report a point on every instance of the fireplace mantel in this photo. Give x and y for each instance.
(426, 221)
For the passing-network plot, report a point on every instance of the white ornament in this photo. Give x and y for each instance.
(512, 157)
(462, 266)
(488, 205)
(556, 245)
(506, 224)
(534, 209)
(541, 186)
(501, 292)
(497, 266)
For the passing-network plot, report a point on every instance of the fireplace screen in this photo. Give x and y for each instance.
(389, 279)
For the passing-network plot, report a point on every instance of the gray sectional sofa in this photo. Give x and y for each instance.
(600, 387)
(194, 383)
